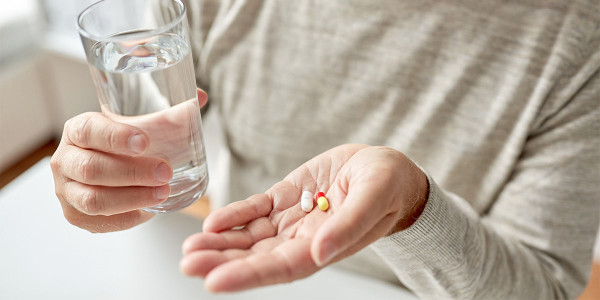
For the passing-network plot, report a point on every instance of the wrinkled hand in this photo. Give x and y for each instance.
(372, 191)
(103, 173)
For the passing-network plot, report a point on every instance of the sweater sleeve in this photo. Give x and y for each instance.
(536, 241)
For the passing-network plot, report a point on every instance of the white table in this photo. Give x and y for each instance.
(42, 256)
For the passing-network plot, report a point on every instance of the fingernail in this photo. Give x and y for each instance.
(162, 173)
(327, 253)
(162, 192)
(137, 143)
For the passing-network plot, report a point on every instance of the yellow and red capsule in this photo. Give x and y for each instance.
(322, 201)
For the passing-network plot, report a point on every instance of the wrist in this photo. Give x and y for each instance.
(417, 200)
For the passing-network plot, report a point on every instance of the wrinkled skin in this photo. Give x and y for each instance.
(103, 174)
(103, 178)
(372, 191)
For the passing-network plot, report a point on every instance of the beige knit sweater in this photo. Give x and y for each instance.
(498, 101)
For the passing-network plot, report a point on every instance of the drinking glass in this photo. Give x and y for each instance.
(141, 63)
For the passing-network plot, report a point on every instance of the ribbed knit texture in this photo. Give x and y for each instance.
(496, 100)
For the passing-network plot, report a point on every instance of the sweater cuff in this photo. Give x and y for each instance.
(436, 238)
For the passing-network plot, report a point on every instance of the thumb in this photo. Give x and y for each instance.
(356, 216)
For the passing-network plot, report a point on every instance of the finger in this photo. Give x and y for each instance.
(199, 263)
(93, 130)
(357, 215)
(202, 97)
(97, 224)
(289, 261)
(238, 213)
(99, 168)
(244, 238)
(102, 200)
(379, 230)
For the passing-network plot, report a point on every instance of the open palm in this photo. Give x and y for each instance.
(268, 239)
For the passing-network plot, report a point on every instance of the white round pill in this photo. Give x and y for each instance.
(306, 201)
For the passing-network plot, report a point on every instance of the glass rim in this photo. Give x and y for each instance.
(113, 38)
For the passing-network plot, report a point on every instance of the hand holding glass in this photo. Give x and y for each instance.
(141, 62)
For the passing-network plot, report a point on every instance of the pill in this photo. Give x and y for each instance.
(323, 203)
(306, 201)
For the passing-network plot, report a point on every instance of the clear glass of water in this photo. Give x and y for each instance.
(140, 59)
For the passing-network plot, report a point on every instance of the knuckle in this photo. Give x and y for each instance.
(136, 175)
(113, 137)
(87, 167)
(59, 187)
(55, 163)
(60, 193)
(78, 129)
(67, 126)
(57, 160)
(90, 203)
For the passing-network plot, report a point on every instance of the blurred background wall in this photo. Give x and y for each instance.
(44, 79)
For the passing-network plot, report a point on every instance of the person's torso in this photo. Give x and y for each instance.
(455, 85)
